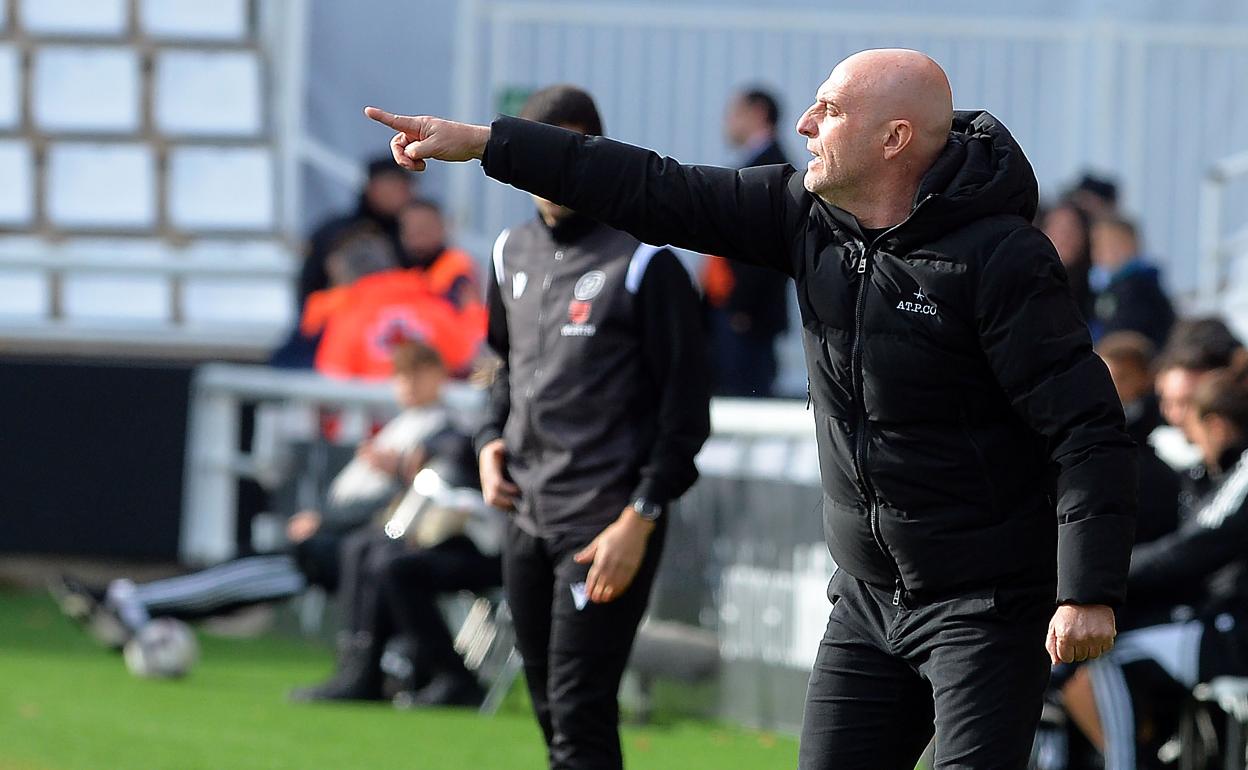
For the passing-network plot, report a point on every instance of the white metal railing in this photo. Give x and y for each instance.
(783, 445)
(1216, 248)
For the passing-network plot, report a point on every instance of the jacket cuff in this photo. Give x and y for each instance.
(648, 490)
(484, 436)
(494, 158)
(1093, 556)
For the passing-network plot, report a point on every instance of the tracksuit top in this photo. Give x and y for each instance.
(1202, 565)
(603, 395)
(969, 437)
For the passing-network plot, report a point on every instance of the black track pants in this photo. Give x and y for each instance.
(411, 584)
(973, 668)
(574, 656)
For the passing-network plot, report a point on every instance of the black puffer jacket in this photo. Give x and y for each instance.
(968, 435)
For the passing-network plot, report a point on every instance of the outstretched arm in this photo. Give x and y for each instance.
(745, 215)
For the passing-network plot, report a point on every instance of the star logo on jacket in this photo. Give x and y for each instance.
(518, 282)
(922, 305)
(580, 595)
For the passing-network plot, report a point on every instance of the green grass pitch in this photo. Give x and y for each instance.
(66, 704)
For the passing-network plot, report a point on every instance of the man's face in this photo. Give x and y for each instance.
(388, 193)
(739, 122)
(839, 134)
(1063, 227)
(422, 232)
(1174, 390)
(1130, 380)
(420, 388)
(1212, 434)
(1112, 247)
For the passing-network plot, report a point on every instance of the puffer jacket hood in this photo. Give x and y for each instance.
(982, 172)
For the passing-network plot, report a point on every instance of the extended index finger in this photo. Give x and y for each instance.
(397, 122)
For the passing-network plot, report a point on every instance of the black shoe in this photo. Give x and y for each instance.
(358, 676)
(460, 690)
(88, 608)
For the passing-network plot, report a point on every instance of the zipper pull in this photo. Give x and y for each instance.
(862, 263)
(897, 595)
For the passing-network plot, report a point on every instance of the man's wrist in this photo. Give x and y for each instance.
(481, 138)
(636, 521)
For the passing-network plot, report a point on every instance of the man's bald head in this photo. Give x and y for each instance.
(881, 117)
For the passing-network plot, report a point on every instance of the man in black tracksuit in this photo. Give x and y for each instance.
(974, 462)
(596, 414)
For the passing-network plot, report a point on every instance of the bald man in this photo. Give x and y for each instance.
(978, 480)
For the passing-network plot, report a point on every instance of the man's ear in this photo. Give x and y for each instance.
(900, 133)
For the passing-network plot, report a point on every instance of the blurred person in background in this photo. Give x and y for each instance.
(1129, 356)
(1070, 229)
(385, 193)
(384, 309)
(359, 251)
(1129, 296)
(594, 419)
(391, 580)
(381, 467)
(1189, 595)
(451, 273)
(1196, 347)
(1096, 195)
(748, 306)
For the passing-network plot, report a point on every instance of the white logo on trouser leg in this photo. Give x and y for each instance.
(580, 595)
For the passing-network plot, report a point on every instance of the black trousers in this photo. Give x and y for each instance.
(363, 557)
(574, 651)
(971, 668)
(410, 584)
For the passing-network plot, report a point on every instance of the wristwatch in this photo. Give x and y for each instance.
(647, 509)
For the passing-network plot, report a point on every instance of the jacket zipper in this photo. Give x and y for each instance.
(860, 440)
(547, 281)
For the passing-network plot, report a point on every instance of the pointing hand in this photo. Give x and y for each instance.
(421, 137)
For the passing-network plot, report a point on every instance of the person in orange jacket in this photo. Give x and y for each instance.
(451, 272)
(383, 310)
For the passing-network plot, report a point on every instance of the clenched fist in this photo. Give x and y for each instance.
(421, 137)
(1080, 632)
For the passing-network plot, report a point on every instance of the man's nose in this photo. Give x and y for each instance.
(804, 126)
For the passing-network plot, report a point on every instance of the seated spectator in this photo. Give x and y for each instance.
(387, 191)
(384, 309)
(450, 273)
(1070, 229)
(391, 582)
(1129, 356)
(358, 252)
(1195, 348)
(1188, 594)
(363, 488)
(1128, 290)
